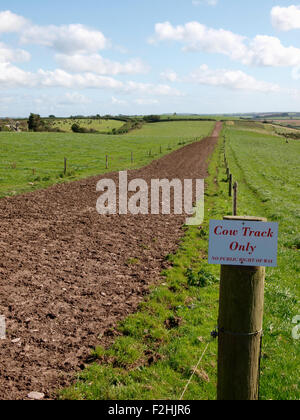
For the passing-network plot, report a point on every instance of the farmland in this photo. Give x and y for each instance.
(151, 353)
(190, 287)
(31, 161)
(79, 272)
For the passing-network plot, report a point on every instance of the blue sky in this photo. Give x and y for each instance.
(142, 57)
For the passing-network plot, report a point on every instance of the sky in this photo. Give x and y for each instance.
(149, 57)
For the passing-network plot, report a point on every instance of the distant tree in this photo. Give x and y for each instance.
(52, 116)
(35, 123)
(76, 128)
(152, 118)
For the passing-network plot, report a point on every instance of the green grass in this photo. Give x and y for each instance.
(101, 125)
(161, 344)
(30, 161)
(269, 179)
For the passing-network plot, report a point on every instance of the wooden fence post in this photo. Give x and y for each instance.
(131, 157)
(240, 329)
(230, 185)
(235, 195)
(65, 166)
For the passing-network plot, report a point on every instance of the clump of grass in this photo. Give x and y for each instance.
(293, 243)
(133, 261)
(202, 278)
(126, 351)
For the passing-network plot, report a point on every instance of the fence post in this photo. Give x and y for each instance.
(235, 195)
(230, 185)
(106, 162)
(131, 157)
(65, 166)
(240, 329)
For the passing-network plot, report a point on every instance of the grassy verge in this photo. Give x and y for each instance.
(161, 344)
(31, 161)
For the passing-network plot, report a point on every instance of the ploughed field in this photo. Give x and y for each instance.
(68, 275)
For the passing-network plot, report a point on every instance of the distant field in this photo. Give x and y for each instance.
(200, 117)
(31, 161)
(293, 122)
(260, 127)
(101, 125)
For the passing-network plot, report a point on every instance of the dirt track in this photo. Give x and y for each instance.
(65, 276)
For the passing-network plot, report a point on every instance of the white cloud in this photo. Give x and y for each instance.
(268, 51)
(261, 51)
(151, 89)
(10, 22)
(116, 101)
(198, 37)
(71, 98)
(97, 64)
(286, 18)
(6, 99)
(68, 39)
(10, 55)
(232, 79)
(170, 76)
(61, 78)
(209, 2)
(146, 101)
(296, 73)
(11, 76)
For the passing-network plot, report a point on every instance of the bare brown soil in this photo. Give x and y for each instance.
(68, 275)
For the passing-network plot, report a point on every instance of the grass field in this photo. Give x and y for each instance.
(30, 161)
(268, 171)
(101, 125)
(260, 127)
(188, 296)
